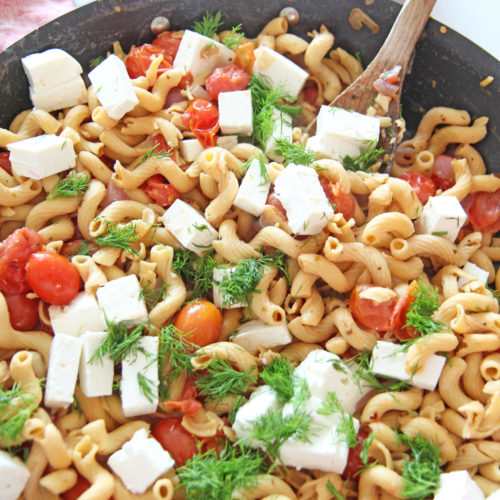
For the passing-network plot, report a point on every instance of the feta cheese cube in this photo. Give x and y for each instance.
(192, 230)
(282, 129)
(96, 376)
(41, 156)
(64, 360)
(256, 333)
(235, 112)
(458, 485)
(494, 496)
(280, 71)
(442, 216)
(140, 462)
(65, 95)
(227, 141)
(478, 272)
(136, 368)
(82, 314)
(253, 190)
(300, 192)
(113, 87)
(201, 55)
(120, 300)
(219, 273)
(13, 476)
(389, 360)
(190, 149)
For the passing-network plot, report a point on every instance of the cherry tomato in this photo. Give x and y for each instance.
(354, 462)
(423, 185)
(74, 493)
(370, 314)
(310, 94)
(484, 211)
(5, 161)
(23, 312)
(52, 277)
(169, 41)
(344, 202)
(139, 59)
(176, 440)
(202, 118)
(273, 200)
(398, 320)
(442, 172)
(14, 254)
(160, 191)
(245, 57)
(201, 321)
(227, 79)
(72, 248)
(160, 146)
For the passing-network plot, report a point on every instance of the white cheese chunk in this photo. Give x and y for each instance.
(201, 55)
(388, 360)
(280, 71)
(41, 156)
(253, 190)
(256, 333)
(442, 216)
(235, 112)
(478, 272)
(458, 485)
(96, 376)
(227, 141)
(13, 476)
(120, 300)
(282, 129)
(192, 230)
(65, 95)
(143, 366)
(64, 361)
(218, 275)
(494, 496)
(300, 192)
(190, 149)
(140, 462)
(82, 314)
(113, 87)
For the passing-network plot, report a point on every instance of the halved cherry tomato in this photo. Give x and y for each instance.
(52, 277)
(370, 314)
(354, 462)
(188, 403)
(272, 199)
(160, 146)
(245, 57)
(423, 185)
(398, 320)
(227, 79)
(23, 312)
(201, 321)
(202, 118)
(5, 161)
(344, 202)
(442, 172)
(176, 440)
(310, 94)
(81, 486)
(139, 59)
(157, 188)
(72, 248)
(169, 41)
(484, 211)
(14, 254)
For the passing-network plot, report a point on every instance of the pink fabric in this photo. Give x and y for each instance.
(20, 17)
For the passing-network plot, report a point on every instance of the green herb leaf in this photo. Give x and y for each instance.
(294, 152)
(439, 233)
(237, 404)
(119, 237)
(146, 387)
(209, 25)
(232, 41)
(333, 491)
(331, 406)
(95, 62)
(365, 160)
(70, 186)
(75, 406)
(152, 296)
(279, 376)
(154, 152)
(197, 271)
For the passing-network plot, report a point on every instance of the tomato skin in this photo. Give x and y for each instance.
(398, 327)
(201, 321)
(354, 462)
(23, 312)
(345, 203)
(81, 486)
(442, 172)
(169, 41)
(160, 191)
(139, 59)
(423, 185)
(70, 248)
(484, 211)
(160, 146)
(14, 254)
(310, 94)
(176, 440)
(272, 199)
(53, 278)
(227, 79)
(202, 118)
(5, 162)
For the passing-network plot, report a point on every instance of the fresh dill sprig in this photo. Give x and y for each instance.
(279, 376)
(75, 406)
(154, 152)
(70, 186)
(209, 25)
(197, 271)
(337, 495)
(331, 406)
(118, 237)
(237, 404)
(146, 387)
(216, 476)
(152, 296)
(294, 152)
(83, 248)
(95, 62)
(365, 160)
(264, 174)
(232, 41)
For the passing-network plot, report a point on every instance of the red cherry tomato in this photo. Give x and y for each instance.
(160, 146)
(442, 172)
(344, 202)
(176, 440)
(74, 493)
(354, 462)
(169, 41)
(484, 211)
(53, 278)
(398, 320)
(245, 57)
(14, 254)
(188, 403)
(139, 59)
(72, 248)
(160, 191)
(23, 312)
(201, 321)
(423, 185)
(227, 79)
(310, 94)
(202, 118)
(5, 161)
(272, 199)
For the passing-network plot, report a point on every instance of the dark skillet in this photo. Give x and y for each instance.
(446, 70)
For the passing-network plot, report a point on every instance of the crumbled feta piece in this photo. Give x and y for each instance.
(13, 476)
(41, 156)
(190, 149)
(442, 216)
(82, 314)
(227, 141)
(121, 300)
(458, 485)
(256, 333)
(192, 230)
(254, 188)
(282, 129)
(388, 360)
(235, 112)
(480, 274)
(300, 192)
(219, 273)
(66, 95)
(113, 87)
(140, 462)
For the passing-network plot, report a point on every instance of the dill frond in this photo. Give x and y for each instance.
(294, 152)
(71, 186)
(209, 25)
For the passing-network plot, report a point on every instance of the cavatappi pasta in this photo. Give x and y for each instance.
(380, 273)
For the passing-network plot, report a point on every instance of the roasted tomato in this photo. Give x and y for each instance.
(227, 79)
(442, 172)
(483, 209)
(423, 185)
(169, 41)
(202, 118)
(176, 440)
(345, 203)
(23, 312)
(5, 161)
(140, 58)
